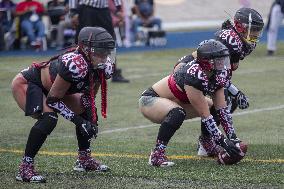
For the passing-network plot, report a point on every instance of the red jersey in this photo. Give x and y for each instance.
(22, 6)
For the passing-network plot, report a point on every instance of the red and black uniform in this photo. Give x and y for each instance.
(237, 47)
(191, 74)
(72, 67)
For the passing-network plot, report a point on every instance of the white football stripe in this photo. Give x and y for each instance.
(196, 119)
(187, 121)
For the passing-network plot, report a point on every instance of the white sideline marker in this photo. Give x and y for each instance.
(196, 119)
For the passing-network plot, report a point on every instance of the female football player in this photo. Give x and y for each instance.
(65, 84)
(181, 96)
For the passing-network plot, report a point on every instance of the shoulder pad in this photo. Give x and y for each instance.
(186, 59)
(196, 77)
(231, 39)
(75, 64)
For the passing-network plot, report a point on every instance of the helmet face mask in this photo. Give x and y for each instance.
(96, 44)
(221, 63)
(253, 36)
(100, 56)
(212, 55)
(250, 33)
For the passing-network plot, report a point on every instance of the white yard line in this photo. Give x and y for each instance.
(195, 119)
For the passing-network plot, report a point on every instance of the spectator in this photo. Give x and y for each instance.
(59, 18)
(117, 19)
(56, 11)
(97, 13)
(117, 22)
(70, 23)
(275, 18)
(144, 10)
(30, 12)
(7, 8)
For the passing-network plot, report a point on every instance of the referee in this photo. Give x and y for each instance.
(97, 13)
(275, 19)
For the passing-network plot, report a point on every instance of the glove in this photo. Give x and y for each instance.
(87, 128)
(229, 146)
(108, 68)
(235, 139)
(238, 97)
(243, 100)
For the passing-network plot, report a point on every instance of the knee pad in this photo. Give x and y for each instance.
(175, 117)
(34, 98)
(47, 122)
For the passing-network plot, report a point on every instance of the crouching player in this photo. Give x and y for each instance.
(182, 95)
(241, 38)
(66, 84)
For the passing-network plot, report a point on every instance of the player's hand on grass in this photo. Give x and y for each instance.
(87, 128)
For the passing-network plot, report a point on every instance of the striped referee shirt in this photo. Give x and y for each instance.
(98, 3)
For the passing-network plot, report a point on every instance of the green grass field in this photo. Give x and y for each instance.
(126, 137)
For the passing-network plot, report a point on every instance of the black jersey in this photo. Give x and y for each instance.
(185, 59)
(191, 74)
(237, 48)
(73, 68)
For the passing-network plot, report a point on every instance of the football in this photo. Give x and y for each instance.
(224, 158)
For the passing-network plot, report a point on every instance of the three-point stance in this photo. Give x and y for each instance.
(181, 96)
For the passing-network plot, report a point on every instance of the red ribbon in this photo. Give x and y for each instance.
(103, 94)
(93, 103)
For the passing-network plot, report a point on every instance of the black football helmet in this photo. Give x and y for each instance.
(249, 24)
(213, 55)
(95, 41)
